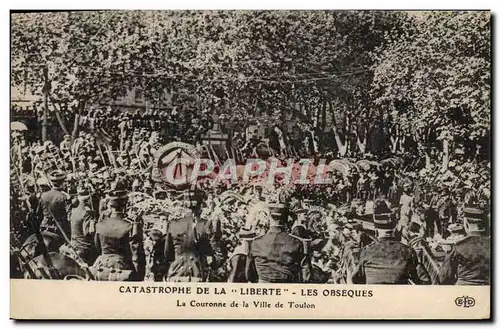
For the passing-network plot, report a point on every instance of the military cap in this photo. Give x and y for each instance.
(414, 227)
(115, 195)
(57, 176)
(382, 215)
(408, 184)
(277, 209)
(301, 211)
(83, 191)
(455, 228)
(73, 191)
(474, 214)
(354, 224)
(147, 184)
(160, 194)
(339, 227)
(247, 234)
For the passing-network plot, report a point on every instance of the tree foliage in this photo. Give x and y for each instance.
(366, 68)
(436, 77)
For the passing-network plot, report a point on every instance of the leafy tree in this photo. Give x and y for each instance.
(435, 79)
(73, 58)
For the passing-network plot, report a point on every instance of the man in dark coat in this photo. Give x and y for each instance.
(279, 257)
(119, 242)
(468, 263)
(53, 205)
(388, 261)
(82, 221)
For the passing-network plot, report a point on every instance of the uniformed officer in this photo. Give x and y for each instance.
(278, 256)
(468, 263)
(119, 243)
(83, 221)
(187, 244)
(157, 234)
(388, 261)
(53, 205)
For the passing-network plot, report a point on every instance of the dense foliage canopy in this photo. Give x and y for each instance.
(424, 76)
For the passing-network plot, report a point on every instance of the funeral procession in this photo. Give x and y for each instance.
(329, 147)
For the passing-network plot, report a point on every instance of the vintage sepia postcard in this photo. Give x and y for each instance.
(244, 164)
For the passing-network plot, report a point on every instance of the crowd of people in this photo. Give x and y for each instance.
(89, 207)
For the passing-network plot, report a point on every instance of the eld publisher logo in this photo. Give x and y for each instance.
(465, 301)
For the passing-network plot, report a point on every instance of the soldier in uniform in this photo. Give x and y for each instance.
(279, 257)
(188, 245)
(159, 263)
(468, 263)
(119, 243)
(83, 222)
(388, 261)
(53, 205)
